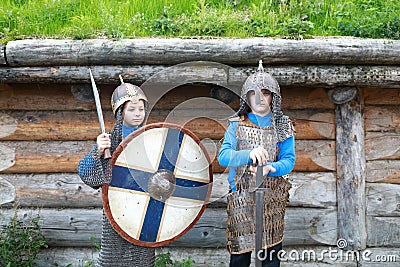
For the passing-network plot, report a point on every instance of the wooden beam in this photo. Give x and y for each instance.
(351, 172)
(315, 155)
(383, 171)
(344, 50)
(78, 97)
(381, 96)
(7, 191)
(308, 256)
(383, 199)
(66, 190)
(305, 256)
(382, 145)
(313, 124)
(329, 76)
(382, 118)
(383, 231)
(64, 156)
(63, 227)
(67, 256)
(205, 123)
(50, 97)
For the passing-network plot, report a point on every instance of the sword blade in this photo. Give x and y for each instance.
(259, 199)
(98, 103)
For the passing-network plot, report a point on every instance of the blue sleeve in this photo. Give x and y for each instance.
(228, 156)
(91, 169)
(87, 164)
(286, 158)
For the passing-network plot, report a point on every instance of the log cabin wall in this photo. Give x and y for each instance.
(343, 93)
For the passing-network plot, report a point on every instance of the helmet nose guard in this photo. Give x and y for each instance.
(258, 81)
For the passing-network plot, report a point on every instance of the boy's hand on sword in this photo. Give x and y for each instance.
(260, 155)
(103, 142)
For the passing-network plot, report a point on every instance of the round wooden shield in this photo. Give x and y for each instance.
(160, 184)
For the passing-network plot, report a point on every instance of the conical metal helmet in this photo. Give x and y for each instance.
(258, 81)
(126, 92)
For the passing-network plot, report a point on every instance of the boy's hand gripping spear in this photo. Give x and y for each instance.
(107, 153)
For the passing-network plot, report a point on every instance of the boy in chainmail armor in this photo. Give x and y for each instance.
(257, 133)
(130, 108)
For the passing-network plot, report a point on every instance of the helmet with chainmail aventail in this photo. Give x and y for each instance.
(126, 92)
(256, 82)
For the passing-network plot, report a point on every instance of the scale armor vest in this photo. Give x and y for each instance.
(241, 204)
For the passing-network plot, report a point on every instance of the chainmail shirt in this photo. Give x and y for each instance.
(115, 250)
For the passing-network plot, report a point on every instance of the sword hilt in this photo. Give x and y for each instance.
(107, 153)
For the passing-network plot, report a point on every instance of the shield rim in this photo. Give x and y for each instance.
(115, 155)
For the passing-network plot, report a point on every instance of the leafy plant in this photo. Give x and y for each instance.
(164, 260)
(21, 241)
(181, 18)
(297, 28)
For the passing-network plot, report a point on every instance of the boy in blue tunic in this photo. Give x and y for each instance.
(130, 108)
(257, 133)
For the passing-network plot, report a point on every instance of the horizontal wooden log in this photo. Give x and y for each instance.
(37, 157)
(7, 191)
(344, 50)
(67, 256)
(382, 145)
(69, 126)
(316, 155)
(50, 125)
(58, 156)
(51, 97)
(383, 199)
(382, 118)
(79, 97)
(381, 96)
(82, 256)
(329, 76)
(303, 226)
(201, 256)
(308, 189)
(383, 231)
(311, 156)
(313, 189)
(383, 171)
(312, 124)
(68, 191)
(305, 256)
(212, 123)
(7, 157)
(205, 123)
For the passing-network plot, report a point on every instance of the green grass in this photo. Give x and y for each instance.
(80, 19)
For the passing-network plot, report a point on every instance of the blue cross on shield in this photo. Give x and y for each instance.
(160, 183)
